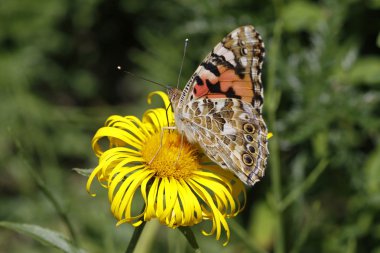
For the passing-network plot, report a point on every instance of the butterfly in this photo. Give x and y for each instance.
(220, 108)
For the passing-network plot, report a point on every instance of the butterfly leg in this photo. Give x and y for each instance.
(161, 139)
(180, 150)
(166, 112)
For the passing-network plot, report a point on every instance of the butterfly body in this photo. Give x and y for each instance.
(220, 106)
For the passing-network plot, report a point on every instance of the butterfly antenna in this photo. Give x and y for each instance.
(183, 59)
(143, 78)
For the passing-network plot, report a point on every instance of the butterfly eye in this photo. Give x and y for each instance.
(247, 159)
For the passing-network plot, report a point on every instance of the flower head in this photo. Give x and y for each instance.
(176, 183)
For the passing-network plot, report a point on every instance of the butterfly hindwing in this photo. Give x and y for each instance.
(232, 135)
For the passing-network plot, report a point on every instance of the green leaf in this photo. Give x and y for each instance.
(374, 4)
(366, 70)
(320, 144)
(371, 170)
(83, 172)
(43, 235)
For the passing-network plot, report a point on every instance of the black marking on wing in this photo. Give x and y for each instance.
(213, 88)
(259, 98)
(221, 60)
(211, 67)
(231, 94)
(240, 70)
(198, 80)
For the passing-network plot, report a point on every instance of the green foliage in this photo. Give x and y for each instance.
(45, 236)
(58, 83)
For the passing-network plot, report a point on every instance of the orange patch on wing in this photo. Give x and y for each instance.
(241, 87)
(202, 90)
(216, 95)
(228, 80)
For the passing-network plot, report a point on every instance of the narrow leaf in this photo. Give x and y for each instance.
(43, 235)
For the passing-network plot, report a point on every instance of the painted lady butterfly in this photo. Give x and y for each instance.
(220, 107)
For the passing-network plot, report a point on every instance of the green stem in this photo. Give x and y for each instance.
(61, 213)
(41, 185)
(305, 185)
(49, 195)
(188, 233)
(242, 234)
(305, 231)
(135, 238)
(274, 146)
(277, 193)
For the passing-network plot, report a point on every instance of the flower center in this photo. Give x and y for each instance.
(170, 156)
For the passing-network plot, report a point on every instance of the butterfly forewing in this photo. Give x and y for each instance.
(232, 69)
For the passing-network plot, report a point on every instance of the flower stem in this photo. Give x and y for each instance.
(48, 194)
(274, 146)
(305, 185)
(188, 233)
(135, 238)
(241, 233)
(62, 214)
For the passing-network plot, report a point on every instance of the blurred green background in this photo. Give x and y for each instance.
(59, 83)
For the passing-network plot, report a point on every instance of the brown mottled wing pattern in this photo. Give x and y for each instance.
(231, 133)
(220, 106)
(232, 70)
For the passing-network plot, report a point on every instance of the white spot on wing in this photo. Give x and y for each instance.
(243, 61)
(247, 108)
(219, 106)
(228, 129)
(186, 115)
(226, 53)
(244, 116)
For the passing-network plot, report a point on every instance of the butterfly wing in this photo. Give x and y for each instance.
(220, 106)
(231, 133)
(231, 70)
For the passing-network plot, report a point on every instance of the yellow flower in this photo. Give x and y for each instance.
(145, 163)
